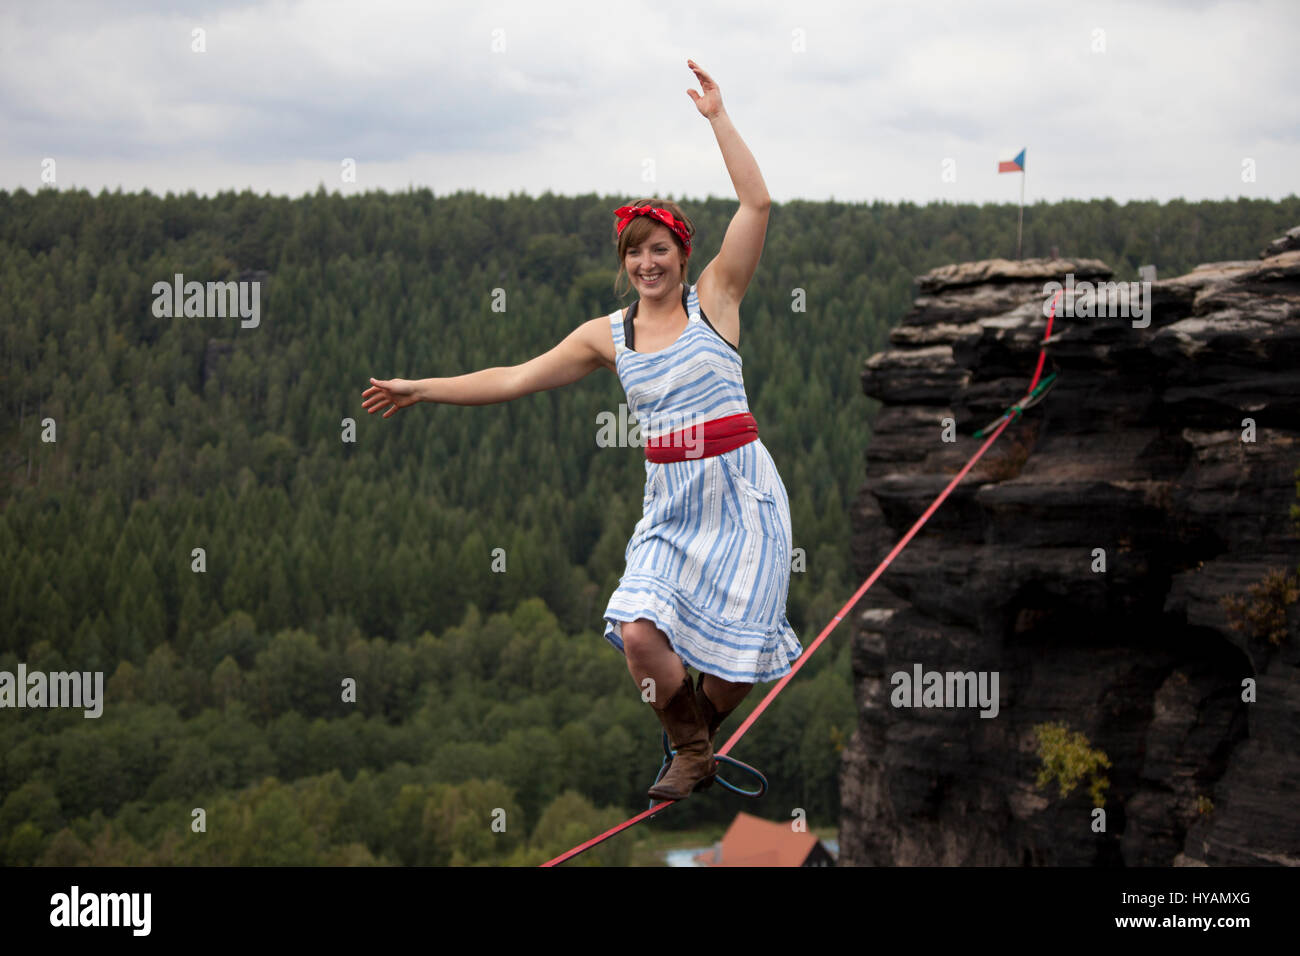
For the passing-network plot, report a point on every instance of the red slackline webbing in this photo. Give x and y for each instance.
(799, 661)
(1042, 349)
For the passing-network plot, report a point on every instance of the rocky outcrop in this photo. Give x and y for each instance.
(1287, 242)
(1167, 449)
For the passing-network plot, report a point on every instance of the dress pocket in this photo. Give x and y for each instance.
(757, 507)
(747, 486)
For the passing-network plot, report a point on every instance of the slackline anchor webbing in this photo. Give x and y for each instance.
(1029, 401)
(657, 808)
(1034, 394)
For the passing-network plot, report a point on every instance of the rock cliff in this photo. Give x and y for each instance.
(1084, 560)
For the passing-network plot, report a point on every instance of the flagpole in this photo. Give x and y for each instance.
(1020, 221)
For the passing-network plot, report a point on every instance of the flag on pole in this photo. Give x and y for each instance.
(1017, 165)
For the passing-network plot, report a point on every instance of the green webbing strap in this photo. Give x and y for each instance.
(1016, 409)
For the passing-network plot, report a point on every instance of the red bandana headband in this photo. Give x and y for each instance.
(627, 213)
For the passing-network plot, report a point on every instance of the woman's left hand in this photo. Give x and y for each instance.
(710, 104)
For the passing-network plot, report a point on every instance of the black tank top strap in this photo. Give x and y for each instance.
(628, 329)
(706, 320)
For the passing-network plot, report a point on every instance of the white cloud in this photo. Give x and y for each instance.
(584, 92)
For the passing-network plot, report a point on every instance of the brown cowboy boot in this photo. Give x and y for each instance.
(692, 762)
(712, 716)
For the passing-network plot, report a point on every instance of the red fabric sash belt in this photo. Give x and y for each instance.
(694, 441)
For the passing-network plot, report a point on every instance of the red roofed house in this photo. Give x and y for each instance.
(753, 841)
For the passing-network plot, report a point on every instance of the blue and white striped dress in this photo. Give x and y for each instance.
(709, 561)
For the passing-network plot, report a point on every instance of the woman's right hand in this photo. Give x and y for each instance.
(398, 392)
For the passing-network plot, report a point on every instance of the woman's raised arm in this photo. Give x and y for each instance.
(727, 277)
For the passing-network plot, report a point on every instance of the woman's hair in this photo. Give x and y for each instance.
(638, 231)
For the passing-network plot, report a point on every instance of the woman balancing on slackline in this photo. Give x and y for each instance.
(708, 565)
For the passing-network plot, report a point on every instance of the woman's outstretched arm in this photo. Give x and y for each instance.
(578, 355)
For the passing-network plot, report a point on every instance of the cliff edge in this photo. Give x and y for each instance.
(1084, 561)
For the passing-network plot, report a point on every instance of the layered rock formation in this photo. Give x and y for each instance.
(1141, 450)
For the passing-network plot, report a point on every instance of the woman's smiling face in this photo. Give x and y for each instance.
(658, 255)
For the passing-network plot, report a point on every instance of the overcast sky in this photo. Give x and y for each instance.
(1143, 99)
